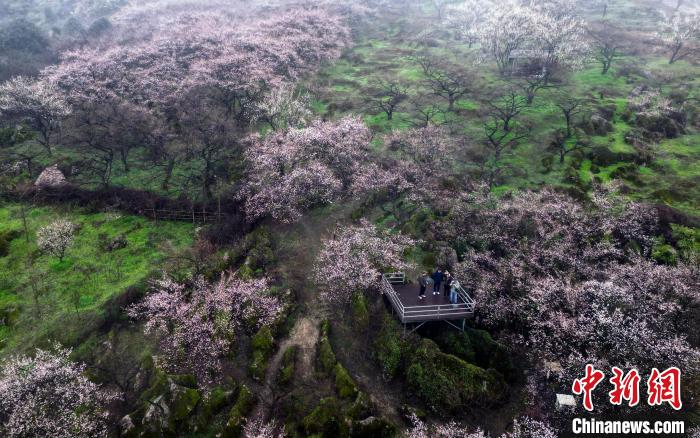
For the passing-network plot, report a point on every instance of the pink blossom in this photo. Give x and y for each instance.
(56, 237)
(354, 258)
(48, 395)
(297, 169)
(197, 326)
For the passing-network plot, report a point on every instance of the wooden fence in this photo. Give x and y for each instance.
(193, 215)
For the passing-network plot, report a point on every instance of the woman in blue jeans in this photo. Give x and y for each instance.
(453, 291)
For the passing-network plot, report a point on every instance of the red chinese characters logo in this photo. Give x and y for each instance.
(662, 387)
(626, 387)
(587, 384)
(665, 387)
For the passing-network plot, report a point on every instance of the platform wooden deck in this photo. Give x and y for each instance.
(404, 299)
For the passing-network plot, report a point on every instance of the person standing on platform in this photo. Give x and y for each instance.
(448, 284)
(453, 291)
(437, 281)
(423, 281)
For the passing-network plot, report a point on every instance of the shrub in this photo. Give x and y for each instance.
(6, 237)
(664, 253)
(688, 242)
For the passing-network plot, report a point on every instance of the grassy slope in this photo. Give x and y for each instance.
(388, 55)
(87, 277)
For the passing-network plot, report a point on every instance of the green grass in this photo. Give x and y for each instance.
(86, 278)
(667, 179)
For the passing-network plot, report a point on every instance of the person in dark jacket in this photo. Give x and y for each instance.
(437, 280)
(448, 283)
(423, 281)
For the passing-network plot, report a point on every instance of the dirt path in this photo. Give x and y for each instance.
(312, 311)
(304, 335)
(305, 332)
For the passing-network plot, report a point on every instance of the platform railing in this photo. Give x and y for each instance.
(387, 289)
(466, 304)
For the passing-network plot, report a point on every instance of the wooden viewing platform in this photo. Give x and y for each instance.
(409, 309)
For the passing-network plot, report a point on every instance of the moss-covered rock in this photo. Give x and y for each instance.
(373, 427)
(326, 419)
(360, 312)
(344, 383)
(458, 344)
(263, 346)
(446, 382)
(286, 373)
(490, 354)
(388, 348)
(165, 408)
(184, 400)
(213, 403)
(326, 356)
(361, 407)
(236, 418)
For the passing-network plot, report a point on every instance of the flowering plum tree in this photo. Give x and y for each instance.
(466, 17)
(506, 29)
(283, 108)
(37, 103)
(49, 395)
(256, 428)
(524, 427)
(198, 325)
(300, 168)
(549, 33)
(218, 58)
(56, 237)
(679, 33)
(428, 147)
(197, 77)
(576, 283)
(351, 261)
(560, 36)
(527, 427)
(448, 430)
(416, 153)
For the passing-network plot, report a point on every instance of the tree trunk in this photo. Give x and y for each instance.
(168, 174)
(124, 156)
(23, 213)
(529, 96)
(674, 54)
